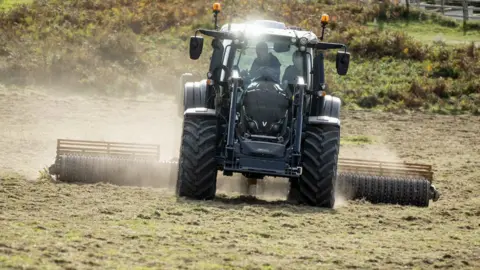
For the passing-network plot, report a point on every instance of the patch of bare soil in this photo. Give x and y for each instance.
(104, 226)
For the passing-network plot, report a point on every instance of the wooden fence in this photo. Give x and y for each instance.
(466, 10)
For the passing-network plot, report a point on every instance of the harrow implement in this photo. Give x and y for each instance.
(131, 164)
(136, 164)
(387, 182)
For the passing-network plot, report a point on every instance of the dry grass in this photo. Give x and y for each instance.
(109, 227)
(53, 225)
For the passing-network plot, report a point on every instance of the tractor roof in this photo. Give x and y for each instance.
(257, 28)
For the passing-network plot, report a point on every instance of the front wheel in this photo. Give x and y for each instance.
(197, 168)
(316, 185)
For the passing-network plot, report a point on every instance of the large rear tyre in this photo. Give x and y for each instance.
(197, 168)
(316, 185)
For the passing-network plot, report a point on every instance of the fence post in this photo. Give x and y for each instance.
(408, 9)
(465, 16)
(443, 4)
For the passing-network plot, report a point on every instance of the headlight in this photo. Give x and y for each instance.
(303, 41)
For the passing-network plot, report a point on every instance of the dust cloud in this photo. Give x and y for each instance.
(268, 188)
(379, 151)
(340, 199)
(32, 121)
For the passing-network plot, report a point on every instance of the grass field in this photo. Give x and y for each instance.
(429, 32)
(109, 227)
(50, 225)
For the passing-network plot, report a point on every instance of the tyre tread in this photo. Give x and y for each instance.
(197, 168)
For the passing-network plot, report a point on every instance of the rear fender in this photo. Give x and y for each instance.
(326, 111)
(195, 99)
(179, 95)
(184, 78)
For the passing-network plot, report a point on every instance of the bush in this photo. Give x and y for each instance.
(472, 26)
(129, 47)
(373, 43)
(443, 20)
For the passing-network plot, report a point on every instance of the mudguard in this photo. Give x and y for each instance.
(326, 111)
(179, 95)
(195, 98)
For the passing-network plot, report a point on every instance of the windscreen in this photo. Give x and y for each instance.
(260, 62)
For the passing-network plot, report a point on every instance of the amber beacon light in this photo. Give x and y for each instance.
(325, 19)
(216, 7)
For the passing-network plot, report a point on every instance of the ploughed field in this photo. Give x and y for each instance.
(45, 224)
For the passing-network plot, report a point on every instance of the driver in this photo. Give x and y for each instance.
(292, 71)
(265, 59)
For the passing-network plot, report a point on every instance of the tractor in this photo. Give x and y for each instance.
(258, 120)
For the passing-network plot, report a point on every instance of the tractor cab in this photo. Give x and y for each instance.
(266, 51)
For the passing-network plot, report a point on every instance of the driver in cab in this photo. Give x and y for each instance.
(292, 71)
(265, 60)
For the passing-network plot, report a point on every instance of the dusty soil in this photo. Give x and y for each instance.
(45, 224)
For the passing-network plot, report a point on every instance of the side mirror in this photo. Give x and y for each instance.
(343, 60)
(196, 47)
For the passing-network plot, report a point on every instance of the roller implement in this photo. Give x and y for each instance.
(262, 110)
(387, 182)
(111, 162)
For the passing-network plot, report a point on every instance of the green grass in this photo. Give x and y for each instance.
(8, 4)
(356, 140)
(392, 84)
(429, 32)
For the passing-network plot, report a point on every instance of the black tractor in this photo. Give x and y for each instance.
(262, 110)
